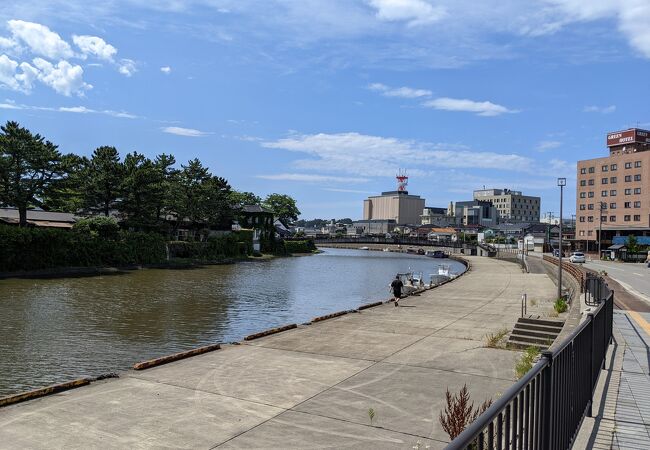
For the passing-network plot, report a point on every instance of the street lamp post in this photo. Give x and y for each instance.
(560, 182)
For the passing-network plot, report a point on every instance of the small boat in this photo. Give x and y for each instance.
(443, 269)
(385, 249)
(364, 248)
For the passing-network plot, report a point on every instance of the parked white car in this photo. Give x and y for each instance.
(577, 257)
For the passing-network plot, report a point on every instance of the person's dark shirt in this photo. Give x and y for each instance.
(396, 285)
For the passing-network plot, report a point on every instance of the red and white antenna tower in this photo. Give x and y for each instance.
(402, 180)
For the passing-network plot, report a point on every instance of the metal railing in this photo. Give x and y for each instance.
(545, 408)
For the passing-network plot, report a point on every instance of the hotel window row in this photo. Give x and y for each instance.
(609, 167)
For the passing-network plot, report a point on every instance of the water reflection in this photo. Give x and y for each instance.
(55, 330)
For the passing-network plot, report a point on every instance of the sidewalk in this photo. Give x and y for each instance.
(311, 387)
(622, 401)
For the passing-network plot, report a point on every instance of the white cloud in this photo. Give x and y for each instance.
(600, 109)
(95, 46)
(364, 155)
(12, 78)
(548, 145)
(64, 78)
(166, 69)
(127, 67)
(311, 178)
(413, 12)
(40, 39)
(9, 106)
(108, 112)
(402, 92)
(189, 132)
(456, 104)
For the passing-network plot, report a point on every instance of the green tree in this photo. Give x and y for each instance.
(201, 198)
(143, 192)
(28, 167)
(103, 177)
(66, 193)
(241, 198)
(632, 244)
(283, 206)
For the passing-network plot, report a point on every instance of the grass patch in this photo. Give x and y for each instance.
(560, 305)
(495, 340)
(526, 362)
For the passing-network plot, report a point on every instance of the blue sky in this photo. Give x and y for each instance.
(326, 100)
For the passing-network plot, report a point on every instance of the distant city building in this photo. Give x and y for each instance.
(512, 206)
(375, 226)
(474, 212)
(437, 217)
(613, 192)
(395, 205)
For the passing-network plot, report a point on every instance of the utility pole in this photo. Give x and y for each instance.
(602, 206)
(560, 182)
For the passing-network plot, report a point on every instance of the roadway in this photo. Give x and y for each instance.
(635, 277)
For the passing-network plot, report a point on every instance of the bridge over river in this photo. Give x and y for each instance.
(309, 387)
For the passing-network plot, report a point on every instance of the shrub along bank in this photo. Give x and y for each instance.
(103, 245)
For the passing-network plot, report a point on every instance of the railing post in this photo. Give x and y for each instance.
(546, 402)
(592, 340)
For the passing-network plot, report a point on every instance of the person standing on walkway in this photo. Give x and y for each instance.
(396, 287)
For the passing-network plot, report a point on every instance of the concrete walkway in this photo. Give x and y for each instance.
(622, 402)
(310, 387)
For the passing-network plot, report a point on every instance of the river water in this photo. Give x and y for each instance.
(54, 330)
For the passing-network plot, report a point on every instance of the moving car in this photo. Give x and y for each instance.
(577, 257)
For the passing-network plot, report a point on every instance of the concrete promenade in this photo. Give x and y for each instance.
(310, 387)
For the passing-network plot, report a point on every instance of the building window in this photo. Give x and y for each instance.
(590, 195)
(612, 218)
(582, 207)
(583, 194)
(628, 165)
(637, 218)
(612, 206)
(590, 219)
(582, 218)
(613, 167)
(627, 205)
(628, 191)
(591, 182)
(582, 232)
(603, 193)
(612, 180)
(591, 206)
(603, 218)
(612, 193)
(637, 204)
(605, 168)
(592, 170)
(590, 233)
(583, 171)
(583, 182)
(628, 178)
(637, 190)
(637, 177)
(627, 218)
(637, 163)
(604, 181)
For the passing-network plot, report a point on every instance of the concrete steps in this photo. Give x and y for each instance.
(534, 332)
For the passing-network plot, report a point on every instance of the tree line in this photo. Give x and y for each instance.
(144, 194)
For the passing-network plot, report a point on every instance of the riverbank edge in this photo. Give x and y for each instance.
(144, 365)
(177, 264)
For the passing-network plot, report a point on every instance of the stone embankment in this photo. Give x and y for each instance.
(307, 387)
